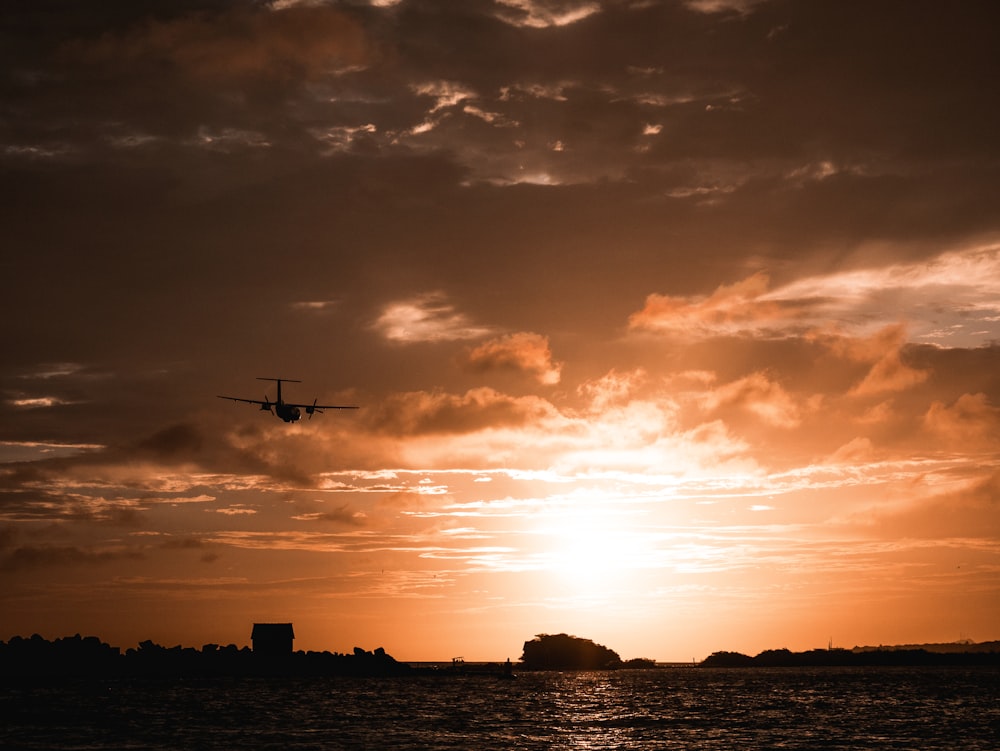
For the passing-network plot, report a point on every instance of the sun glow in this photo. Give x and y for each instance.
(595, 548)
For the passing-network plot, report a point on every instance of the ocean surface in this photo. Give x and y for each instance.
(673, 708)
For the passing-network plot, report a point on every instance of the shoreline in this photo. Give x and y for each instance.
(78, 656)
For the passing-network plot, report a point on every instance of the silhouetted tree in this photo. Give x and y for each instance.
(727, 660)
(639, 663)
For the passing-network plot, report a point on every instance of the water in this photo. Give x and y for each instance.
(680, 708)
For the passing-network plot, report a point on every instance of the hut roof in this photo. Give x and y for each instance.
(272, 631)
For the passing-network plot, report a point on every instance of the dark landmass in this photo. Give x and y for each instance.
(89, 657)
(858, 657)
(963, 646)
(77, 656)
(563, 652)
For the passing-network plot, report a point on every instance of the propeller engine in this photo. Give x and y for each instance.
(266, 406)
(312, 410)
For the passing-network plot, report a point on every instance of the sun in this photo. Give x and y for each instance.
(593, 548)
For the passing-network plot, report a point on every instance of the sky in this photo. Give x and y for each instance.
(672, 324)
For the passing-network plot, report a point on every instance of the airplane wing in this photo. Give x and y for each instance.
(246, 401)
(310, 406)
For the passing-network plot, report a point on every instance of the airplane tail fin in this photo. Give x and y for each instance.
(279, 382)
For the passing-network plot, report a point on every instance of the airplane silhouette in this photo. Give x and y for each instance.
(285, 410)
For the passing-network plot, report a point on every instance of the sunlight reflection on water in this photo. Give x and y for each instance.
(669, 709)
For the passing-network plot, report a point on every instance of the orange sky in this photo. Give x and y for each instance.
(673, 324)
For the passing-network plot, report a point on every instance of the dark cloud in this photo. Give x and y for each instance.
(120, 83)
(170, 443)
(184, 543)
(299, 43)
(117, 485)
(44, 556)
(788, 81)
(715, 123)
(341, 515)
(244, 451)
(8, 533)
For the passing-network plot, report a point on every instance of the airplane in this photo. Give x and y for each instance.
(285, 410)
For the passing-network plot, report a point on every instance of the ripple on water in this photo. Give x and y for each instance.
(680, 708)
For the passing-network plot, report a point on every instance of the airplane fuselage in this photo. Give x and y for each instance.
(287, 412)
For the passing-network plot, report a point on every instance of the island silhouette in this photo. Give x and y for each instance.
(272, 655)
(564, 652)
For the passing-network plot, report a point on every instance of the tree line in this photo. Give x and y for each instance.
(72, 656)
(784, 658)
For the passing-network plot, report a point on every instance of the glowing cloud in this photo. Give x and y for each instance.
(722, 6)
(761, 396)
(883, 349)
(315, 306)
(950, 300)
(426, 318)
(971, 422)
(525, 352)
(420, 412)
(445, 93)
(36, 402)
(544, 13)
(731, 309)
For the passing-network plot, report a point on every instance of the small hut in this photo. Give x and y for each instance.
(272, 638)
